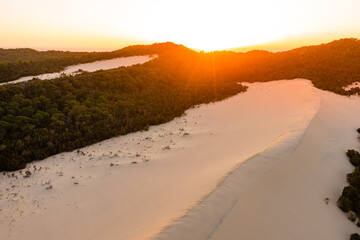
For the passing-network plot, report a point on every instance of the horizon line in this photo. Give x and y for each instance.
(258, 47)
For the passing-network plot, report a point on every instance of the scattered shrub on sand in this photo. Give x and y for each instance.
(349, 200)
(351, 216)
(355, 236)
(354, 157)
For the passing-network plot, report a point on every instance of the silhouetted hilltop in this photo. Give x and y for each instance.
(156, 48)
(330, 66)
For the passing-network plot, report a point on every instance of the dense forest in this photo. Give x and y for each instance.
(16, 63)
(329, 66)
(42, 118)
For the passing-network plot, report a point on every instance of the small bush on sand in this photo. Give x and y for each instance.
(351, 216)
(354, 236)
(354, 157)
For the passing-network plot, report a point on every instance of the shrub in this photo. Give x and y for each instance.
(354, 178)
(351, 216)
(355, 236)
(354, 157)
(344, 203)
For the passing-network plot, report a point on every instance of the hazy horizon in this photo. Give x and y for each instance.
(206, 25)
(271, 47)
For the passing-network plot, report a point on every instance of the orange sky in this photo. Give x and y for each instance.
(207, 25)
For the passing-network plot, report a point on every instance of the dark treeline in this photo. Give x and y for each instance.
(16, 63)
(349, 200)
(42, 118)
(329, 66)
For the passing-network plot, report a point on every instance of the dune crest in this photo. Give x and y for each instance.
(133, 186)
(281, 192)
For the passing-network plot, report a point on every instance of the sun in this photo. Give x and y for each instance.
(211, 25)
(200, 24)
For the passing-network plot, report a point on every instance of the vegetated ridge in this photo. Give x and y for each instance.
(42, 118)
(17, 63)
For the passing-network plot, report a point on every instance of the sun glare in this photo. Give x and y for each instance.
(204, 25)
(210, 25)
(214, 25)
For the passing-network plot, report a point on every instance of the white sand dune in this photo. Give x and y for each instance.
(257, 165)
(89, 67)
(279, 193)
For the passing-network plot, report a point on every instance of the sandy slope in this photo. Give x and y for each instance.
(158, 174)
(89, 67)
(279, 194)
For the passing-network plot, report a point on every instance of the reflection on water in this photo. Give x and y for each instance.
(90, 67)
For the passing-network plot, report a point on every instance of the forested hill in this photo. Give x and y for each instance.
(28, 54)
(16, 63)
(42, 118)
(329, 66)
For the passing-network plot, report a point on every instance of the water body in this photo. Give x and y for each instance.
(89, 67)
